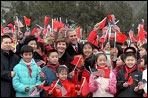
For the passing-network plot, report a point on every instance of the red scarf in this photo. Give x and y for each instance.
(119, 68)
(106, 70)
(53, 67)
(30, 70)
(129, 70)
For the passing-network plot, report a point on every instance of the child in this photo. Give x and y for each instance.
(89, 58)
(143, 50)
(142, 63)
(128, 78)
(144, 76)
(105, 84)
(78, 74)
(119, 63)
(27, 74)
(62, 87)
(50, 69)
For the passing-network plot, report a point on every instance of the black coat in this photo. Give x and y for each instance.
(129, 91)
(8, 61)
(72, 52)
(65, 60)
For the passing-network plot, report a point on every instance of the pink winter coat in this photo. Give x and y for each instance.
(98, 88)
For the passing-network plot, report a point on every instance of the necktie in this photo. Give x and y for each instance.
(76, 49)
(30, 70)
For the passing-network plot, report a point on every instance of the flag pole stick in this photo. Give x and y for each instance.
(55, 85)
(77, 64)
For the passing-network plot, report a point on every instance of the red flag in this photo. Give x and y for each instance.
(78, 30)
(121, 37)
(109, 18)
(12, 27)
(130, 80)
(46, 20)
(27, 21)
(78, 61)
(102, 23)
(39, 39)
(140, 35)
(103, 39)
(92, 38)
(2, 29)
(34, 31)
(85, 88)
(133, 39)
(57, 24)
(18, 23)
(44, 31)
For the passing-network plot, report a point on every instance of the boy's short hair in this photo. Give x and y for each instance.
(130, 54)
(5, 36)
(60, 68)
(50, 51)
(25, 49)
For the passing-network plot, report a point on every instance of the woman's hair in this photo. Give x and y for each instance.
(60, 68)
(61, 39)
(25, 49)
(88, 43)
(99, 54)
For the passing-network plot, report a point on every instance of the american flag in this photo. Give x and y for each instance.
(35, 92)
(61, 87)
(18, 23)
(36, 89)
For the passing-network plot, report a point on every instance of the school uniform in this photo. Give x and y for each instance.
(134, 76)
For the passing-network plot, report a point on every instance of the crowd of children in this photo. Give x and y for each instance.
(68, 68)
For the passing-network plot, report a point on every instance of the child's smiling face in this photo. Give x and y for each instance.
(101, 61)
(130, 61)
(62, 75)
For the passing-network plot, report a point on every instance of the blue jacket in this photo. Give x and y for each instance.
(22, 79)
(49, 78)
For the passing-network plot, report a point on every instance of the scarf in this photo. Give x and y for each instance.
(106, 70)
(29, 68)
(119, 68)
(129, 70)
(53, 66)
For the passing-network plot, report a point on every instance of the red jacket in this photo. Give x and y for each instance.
(77, 76)
(69, 88)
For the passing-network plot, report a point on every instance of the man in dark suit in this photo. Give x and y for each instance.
(74, 47)
(8, 61)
